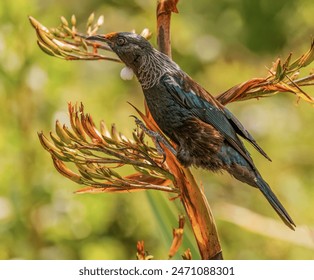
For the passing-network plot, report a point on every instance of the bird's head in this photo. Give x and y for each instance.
(129, 47)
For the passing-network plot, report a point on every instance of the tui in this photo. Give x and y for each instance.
(205, 132)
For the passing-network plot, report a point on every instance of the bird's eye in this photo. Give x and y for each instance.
(121, 41)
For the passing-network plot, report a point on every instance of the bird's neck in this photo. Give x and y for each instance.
(153, 66)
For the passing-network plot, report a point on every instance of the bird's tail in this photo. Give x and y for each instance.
(274, 202)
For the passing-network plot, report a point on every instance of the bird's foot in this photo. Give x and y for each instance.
(157, 138)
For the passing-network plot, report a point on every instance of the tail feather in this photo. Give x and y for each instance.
(275, 203)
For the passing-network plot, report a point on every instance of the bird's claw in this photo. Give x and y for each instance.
(157, 139)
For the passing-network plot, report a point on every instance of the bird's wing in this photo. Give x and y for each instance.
(239, 128)
(222, 120)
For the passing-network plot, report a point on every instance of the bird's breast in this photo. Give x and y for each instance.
(167, 113)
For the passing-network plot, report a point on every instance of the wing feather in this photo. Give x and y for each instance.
(221, 118)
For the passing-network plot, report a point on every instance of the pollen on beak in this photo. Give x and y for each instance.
(107, 38)
(101, 38)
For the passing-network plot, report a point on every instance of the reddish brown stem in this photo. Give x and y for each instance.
(164, 10)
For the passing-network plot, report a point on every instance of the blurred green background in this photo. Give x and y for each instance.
(220, 44)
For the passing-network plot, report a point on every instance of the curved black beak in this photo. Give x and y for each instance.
(101, 38)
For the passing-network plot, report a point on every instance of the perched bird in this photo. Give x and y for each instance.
(205, 132)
